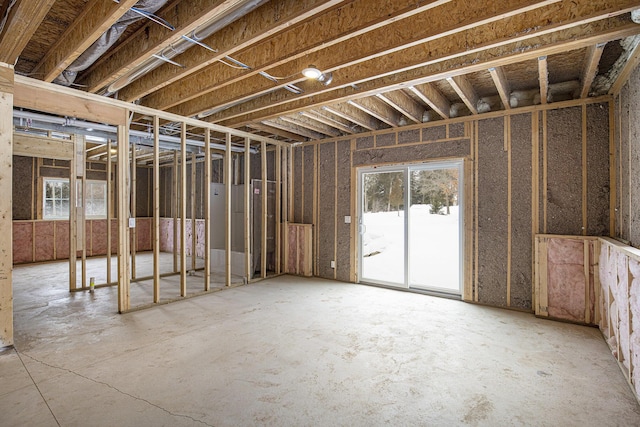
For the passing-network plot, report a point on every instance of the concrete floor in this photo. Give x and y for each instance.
(290, 351)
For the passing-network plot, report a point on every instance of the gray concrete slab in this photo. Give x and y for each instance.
(292, 351)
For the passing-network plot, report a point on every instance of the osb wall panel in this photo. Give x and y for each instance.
(521, 248)
(308, 201)
(492, 213)
(598, 188)
(22, 187)
(564, 166)
(325, 229)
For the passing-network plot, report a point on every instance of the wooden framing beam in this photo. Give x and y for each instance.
(42, 146)
(264, 214)
(404, 104)
(590, 68)
(194, 233)
(352, 60)
(23, 19)
(93, 21)
(175, 206)
(278, 123)
(183, 210)
(378, 109)
(247, 211)
(156, 209)
(543, 78)
(324, 116)
(134, 208)
(428, 93)
(256, 26)
(297, 43)
(152, 39)
(123, 194)
(509, 51)
(465, 91)
(207, 210)
(354, 115)
(265, 127)
(502, 84)
(278, 203)
(6, 188)
(311, 124)
(227, 210)
(110, 210)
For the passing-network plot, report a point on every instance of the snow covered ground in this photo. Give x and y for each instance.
(433, 246)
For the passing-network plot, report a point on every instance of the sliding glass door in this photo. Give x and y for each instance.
(410, 226)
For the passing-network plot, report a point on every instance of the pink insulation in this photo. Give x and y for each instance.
(634, 306)
(22, 242)
(566, 279)
(44, 240)
(144, 234)
(98, 237)
(166, 235)
(62, 239)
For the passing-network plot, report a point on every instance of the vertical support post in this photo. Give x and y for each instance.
(535, 189)
(109, 210)
(613, 185)
(175, 203)
(124, 194)
(507, 126)
(73, 218)
(6, 186)
(278, 204)
(206, 188)
(544, 171)
(82, 209)
(584, 171)
(183, 210)
(263, 228)
(194, 234)
(134, 190)
(248, 270)
(290, 183)
(284, 203)
(156, 209)
(227, 210)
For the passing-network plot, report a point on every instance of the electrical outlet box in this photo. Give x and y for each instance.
(132, 223)
(347, 219)
(333, 264)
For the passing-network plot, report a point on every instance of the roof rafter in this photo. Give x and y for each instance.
(152, 38)
(293, 128)
(543, 78)
(590, 68)
(311, 124)
(93, 21)
(465, 91)
(502, 84)
(431, 31)
(433, 97)
(404, 104)
(354, 115)
(547, 44)
(379, 110)
(23, 20)
(322, 116)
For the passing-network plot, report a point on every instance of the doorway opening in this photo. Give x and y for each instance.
(410, 226)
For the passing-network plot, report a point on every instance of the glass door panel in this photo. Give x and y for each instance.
(383, 227)
(434, 229)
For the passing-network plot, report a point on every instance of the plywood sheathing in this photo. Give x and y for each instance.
(492, 213)
(325, 228)
(344, 245)
(521, 253)
(598, 189)
(564, 163)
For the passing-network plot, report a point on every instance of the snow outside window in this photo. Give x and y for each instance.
(56, 199)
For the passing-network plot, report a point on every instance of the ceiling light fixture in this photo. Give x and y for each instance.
(311, 72)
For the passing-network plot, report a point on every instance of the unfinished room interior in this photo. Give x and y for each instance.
(319, 212)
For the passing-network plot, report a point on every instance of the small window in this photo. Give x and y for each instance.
(56, 199)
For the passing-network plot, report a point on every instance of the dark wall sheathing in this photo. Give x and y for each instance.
(22, 187)
(521, 246)
(364, 142)
(409, 136)
(297, 185)
(456, 130)
(492, 213)
(344, 249)
(434, 133)
(564, 171)
(412, 153)
(325, 229)
(144, 178)
(598, 189)
(386, 139)
(307, 215)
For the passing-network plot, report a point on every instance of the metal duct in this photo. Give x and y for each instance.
(182, 45)
(106, 40)
(635, 16)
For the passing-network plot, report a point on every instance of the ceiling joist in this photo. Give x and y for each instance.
(502, 85)
(543, 79)
(594, 53)
(23, 19)
(428, 93)
(404, 104)
(379, 110)
(465, 91)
